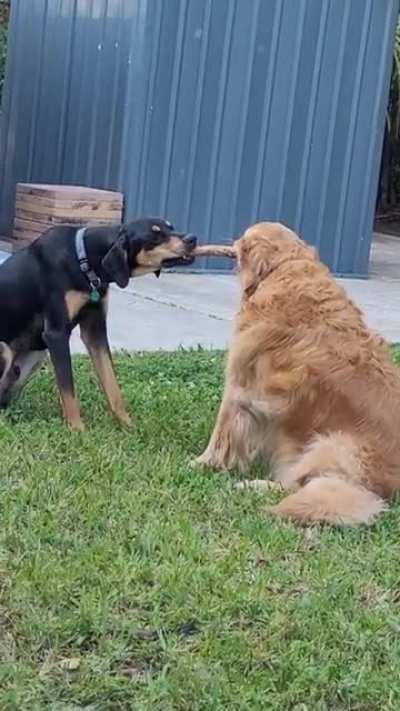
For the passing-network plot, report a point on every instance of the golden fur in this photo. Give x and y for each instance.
(308, 386)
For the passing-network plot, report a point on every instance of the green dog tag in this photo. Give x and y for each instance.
(95, 296)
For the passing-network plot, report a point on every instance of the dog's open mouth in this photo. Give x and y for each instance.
(185, 259)
(182, 251)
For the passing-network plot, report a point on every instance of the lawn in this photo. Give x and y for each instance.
(130, 581)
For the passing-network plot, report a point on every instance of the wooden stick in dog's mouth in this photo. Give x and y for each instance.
(215, 250)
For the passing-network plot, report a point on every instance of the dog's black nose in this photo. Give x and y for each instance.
(190, 240)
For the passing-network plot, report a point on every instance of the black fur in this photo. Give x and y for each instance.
(34, 283)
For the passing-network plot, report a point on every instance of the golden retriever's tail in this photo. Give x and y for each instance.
(332, 499)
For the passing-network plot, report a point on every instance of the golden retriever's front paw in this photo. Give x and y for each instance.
(198, 462)
(206, 461)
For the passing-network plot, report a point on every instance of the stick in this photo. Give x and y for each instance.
(215, 250)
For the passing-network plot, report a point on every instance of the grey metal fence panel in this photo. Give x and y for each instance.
(64, 104)
(214, 113)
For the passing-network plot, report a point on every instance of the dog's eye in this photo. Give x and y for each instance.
(156, 228)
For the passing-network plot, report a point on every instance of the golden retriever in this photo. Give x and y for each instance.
(307, 386)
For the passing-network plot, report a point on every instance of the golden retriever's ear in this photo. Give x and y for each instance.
(254, 262)
(247, 281)
(251, 275)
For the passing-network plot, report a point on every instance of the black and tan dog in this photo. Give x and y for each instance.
(62, 280)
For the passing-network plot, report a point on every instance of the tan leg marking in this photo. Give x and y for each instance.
(105, 371)
(75, 301)
(71, 411)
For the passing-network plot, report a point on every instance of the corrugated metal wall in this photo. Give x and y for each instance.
(214, 113)
(65, 94)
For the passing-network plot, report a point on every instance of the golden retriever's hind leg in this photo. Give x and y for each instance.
(331, 499)
(328, 479)
(261, 485)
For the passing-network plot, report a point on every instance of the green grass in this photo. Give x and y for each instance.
(109, 543)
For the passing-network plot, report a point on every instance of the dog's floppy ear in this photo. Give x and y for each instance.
(252, 271)
(251, 277)
(115, 263)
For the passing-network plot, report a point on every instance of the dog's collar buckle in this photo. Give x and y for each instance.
(91, 276)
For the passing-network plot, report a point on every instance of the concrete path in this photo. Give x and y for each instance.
(189, 310)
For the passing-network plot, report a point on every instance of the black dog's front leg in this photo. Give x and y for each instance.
(57, 342)
(94, 335)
